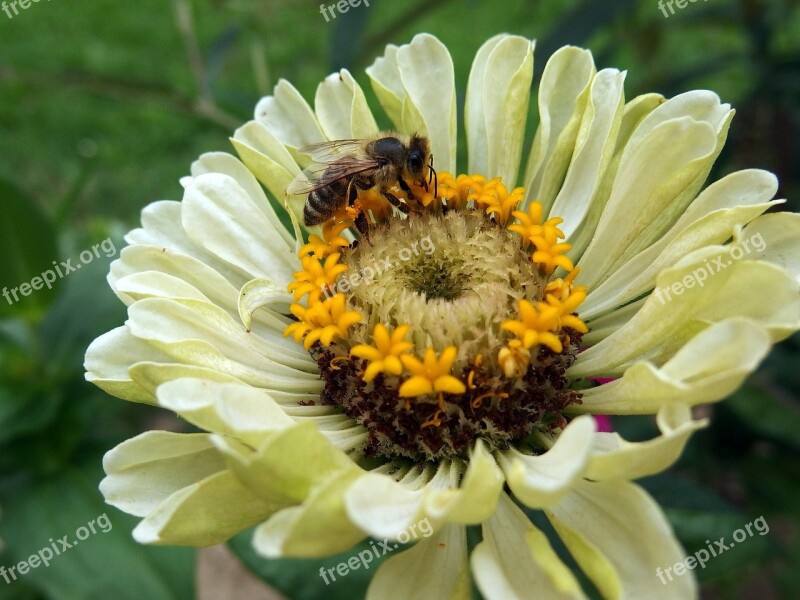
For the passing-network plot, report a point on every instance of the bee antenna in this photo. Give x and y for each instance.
(433, 177)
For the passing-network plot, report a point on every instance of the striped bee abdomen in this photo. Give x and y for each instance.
(324, 202)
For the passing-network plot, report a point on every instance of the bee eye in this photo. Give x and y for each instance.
(414, 163)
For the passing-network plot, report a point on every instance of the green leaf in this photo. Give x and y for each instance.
(106, 564)
(348, 33)
(700, 518)
(24, 411)
(300, 579)
(87, 309)
(769, 410)
(701, 530)
(28, 245)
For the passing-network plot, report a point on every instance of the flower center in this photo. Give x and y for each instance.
(445, 326)
(435, 281)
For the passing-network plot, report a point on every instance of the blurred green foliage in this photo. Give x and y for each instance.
(105, 105)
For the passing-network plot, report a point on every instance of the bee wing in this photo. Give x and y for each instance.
(319, 175)
(332, 151)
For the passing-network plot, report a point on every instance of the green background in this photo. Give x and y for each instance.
(103, 106)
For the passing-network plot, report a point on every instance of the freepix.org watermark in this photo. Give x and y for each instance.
(56, 548)
(365, 557)
(702, 556)
(699, 276)
(342, 7)
(366, 275)
(7, 7)
(48, 278)
(681, 4)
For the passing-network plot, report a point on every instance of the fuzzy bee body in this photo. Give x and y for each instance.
(343, 167)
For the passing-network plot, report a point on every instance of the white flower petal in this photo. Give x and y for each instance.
(145, 470)
(708, 368)
(543, 480)
(594, 148)
(289, 118)
(496, 106)
(648, 180)
(318, 527)
(667, 319)
(515, 558)
(563, 93)
(342, 108)
(602, 327)
(203, 514)
(619, 537)
(774, 238)
(203, 334)
(162, 228)
(234, 409)
(150, 375)
(710, 219)
(616, 458)
(700, 105)
(632, 115)
(385, 508)
(152, 284)
(108, 359)
(476, 497)
(430, 110)
(227, 164)
(435, 568)
(143, 258)
(221, 217)
(289, 463)
(263, 294)
(269, 161)
(385, 77)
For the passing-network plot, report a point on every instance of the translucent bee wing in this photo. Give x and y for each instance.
(333, 150)
(321, 174)
(307, 181)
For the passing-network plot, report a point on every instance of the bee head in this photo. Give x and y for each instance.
(417, 158)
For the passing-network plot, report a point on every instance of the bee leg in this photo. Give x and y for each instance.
(395, 201)
(406, 188)
(352, 193)
(362, 224)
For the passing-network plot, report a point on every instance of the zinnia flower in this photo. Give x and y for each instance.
(444, 369)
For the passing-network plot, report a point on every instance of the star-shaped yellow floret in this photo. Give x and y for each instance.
(384, 356)
(566, 302)
(323, 321)
(496, 200)
(550, 257)
(431, 374)
(425, 197)
(333, 227)
(316, 275)
(461, 190)
(544, 236)
(537, 325)
(320, 248)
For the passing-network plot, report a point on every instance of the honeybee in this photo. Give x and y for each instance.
(342, 167)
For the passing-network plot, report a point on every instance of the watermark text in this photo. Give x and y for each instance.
(56, 548)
